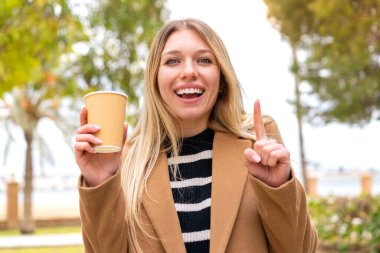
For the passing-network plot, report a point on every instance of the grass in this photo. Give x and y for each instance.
(74, 249)
(44, 231)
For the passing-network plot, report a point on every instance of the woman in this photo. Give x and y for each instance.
(196, 175)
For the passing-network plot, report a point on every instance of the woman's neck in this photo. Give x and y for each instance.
(189, 130)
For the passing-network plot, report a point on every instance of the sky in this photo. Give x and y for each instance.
(261, 60)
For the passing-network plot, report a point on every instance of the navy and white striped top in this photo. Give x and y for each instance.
(192, 192)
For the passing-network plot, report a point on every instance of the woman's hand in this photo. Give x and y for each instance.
(95, 167)
(269, 160)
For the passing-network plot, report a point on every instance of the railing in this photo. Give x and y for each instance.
(44, 185)
(366, 182)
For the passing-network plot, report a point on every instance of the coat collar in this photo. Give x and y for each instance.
(228, 180)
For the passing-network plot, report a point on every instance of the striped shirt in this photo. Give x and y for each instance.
(192, 191)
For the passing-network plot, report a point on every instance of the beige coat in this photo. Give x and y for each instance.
(246, 214)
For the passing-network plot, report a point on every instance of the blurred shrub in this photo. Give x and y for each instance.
(347, 224)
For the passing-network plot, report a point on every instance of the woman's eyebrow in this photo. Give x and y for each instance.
(174, 51)
(205, 51)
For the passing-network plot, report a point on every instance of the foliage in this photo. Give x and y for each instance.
(346, 224)
(121, 32)
(343, 66)
(291, 17)
(341, 42)
(34, 36)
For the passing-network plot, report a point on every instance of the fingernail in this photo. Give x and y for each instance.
(98, 140)
(96, 127)
(256, 158)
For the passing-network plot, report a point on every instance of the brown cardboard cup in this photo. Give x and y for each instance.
(107, 110)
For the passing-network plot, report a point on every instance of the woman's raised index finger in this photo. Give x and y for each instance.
(258, 121)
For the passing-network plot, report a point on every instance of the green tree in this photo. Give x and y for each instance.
(343, 65)
(34, 37)
(121, 32)
(292, 18)
(39, 67)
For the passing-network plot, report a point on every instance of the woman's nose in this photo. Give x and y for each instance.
(189, 71)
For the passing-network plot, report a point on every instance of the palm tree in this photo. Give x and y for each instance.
(36, 35)
(26, 107)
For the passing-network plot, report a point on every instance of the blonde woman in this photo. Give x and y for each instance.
(198, 174)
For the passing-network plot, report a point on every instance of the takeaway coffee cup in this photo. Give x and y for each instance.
(107, 110)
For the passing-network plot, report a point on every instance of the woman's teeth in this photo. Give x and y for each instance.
(189, 91)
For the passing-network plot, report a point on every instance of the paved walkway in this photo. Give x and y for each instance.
(46, 211)
(29, 241)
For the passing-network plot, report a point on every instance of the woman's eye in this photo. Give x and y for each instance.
(171, 61)
(204, 60)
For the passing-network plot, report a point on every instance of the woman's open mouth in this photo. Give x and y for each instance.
(189, 93)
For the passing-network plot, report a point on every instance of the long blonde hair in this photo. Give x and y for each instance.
(157, 126)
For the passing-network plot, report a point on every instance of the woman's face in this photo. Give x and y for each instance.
(188, 80)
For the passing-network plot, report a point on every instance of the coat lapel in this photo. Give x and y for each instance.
(159, 204)
(229, 176)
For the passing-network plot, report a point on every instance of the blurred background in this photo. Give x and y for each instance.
(313, 64)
